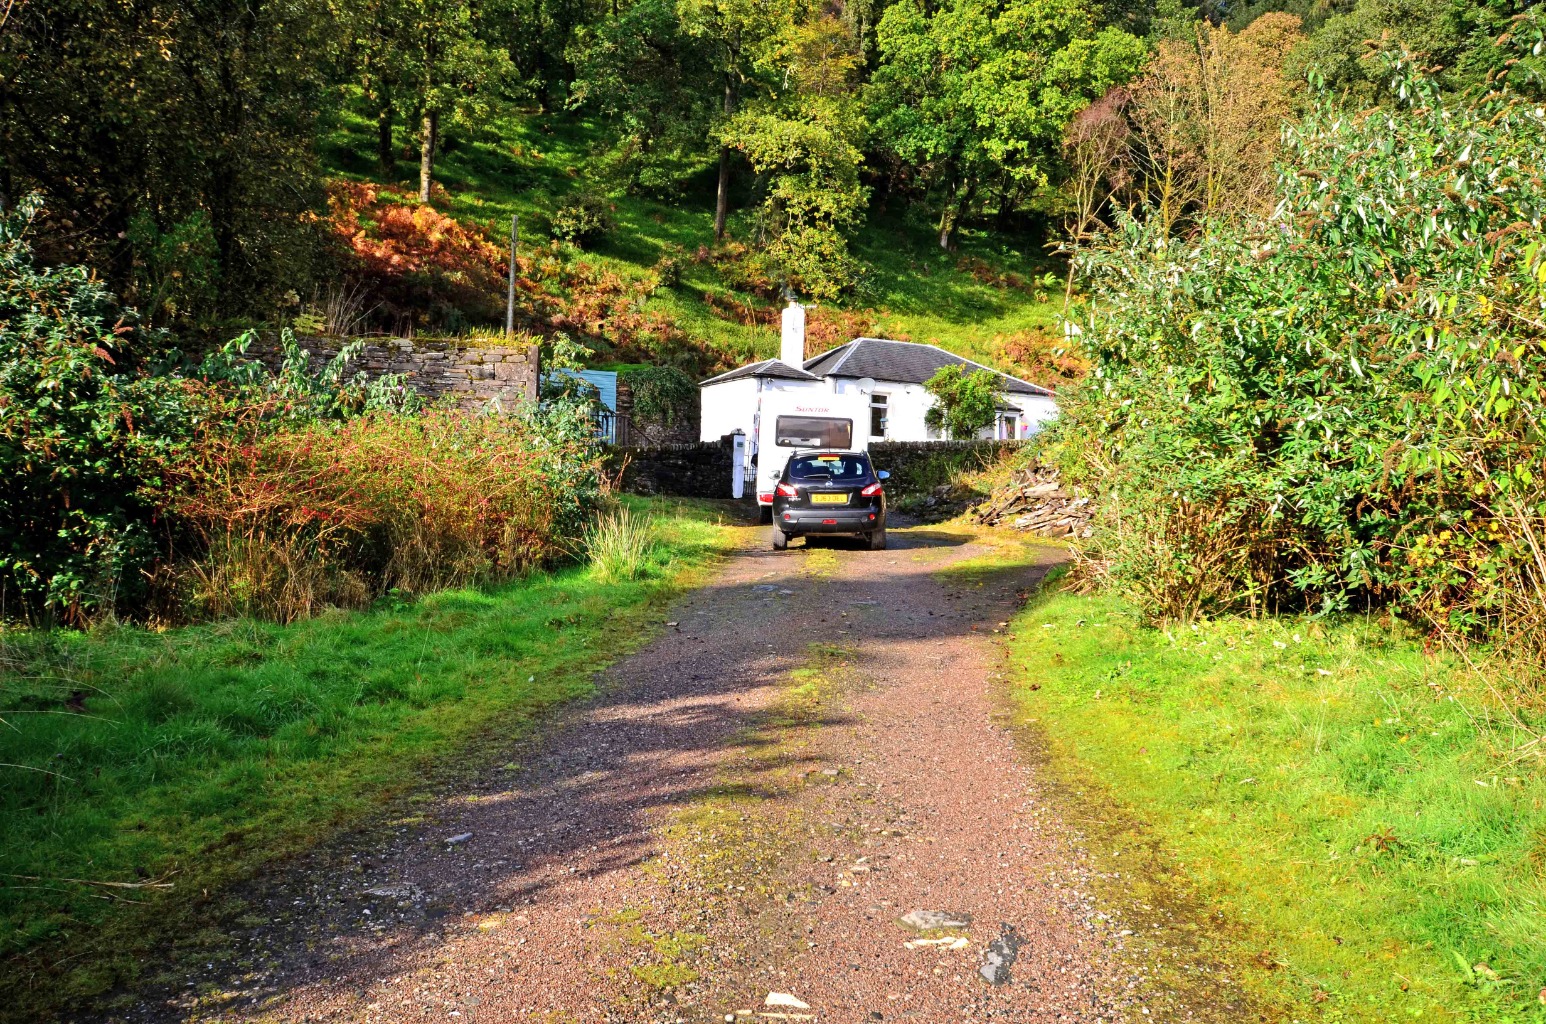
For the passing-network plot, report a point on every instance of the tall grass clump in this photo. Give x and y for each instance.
(623, 545)
(1339, 406)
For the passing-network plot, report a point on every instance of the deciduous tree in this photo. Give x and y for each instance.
(1209, 113)
(736, 33)
(1094, 147)
(965, 402)
(972, 92)
(804, 139)
(453, 70)
(176, 118)
(657, 84)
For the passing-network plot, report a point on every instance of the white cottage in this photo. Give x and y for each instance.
(891, 373)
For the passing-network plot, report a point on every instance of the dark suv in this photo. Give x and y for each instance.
(829, 492)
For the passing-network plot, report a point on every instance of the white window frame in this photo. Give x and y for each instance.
(881, 401)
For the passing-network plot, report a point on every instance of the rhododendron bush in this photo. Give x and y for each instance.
(1339, 406)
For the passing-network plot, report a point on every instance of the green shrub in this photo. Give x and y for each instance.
(83, 428)
(584, 220)
(1343, 405)
(668, 268)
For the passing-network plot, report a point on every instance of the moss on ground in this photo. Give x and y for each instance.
(727, 844)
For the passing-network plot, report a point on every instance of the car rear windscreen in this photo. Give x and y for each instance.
(813, 432)
(829, 467)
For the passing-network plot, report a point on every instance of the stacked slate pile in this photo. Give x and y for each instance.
(1034, 501)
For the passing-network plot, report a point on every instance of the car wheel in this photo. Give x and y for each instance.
(765, 514)
(780, 540)
(878, 539)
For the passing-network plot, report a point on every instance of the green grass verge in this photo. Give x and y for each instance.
(195, 754)
(1339, 794)
(530, 163)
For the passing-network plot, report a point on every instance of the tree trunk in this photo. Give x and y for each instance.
(952, 209)
(955, 209)
(1006, 203)
(384, 154)
(722, 199)
(947, 227)
(427, 154)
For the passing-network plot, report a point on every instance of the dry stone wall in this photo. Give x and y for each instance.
(697, 470)
(471, 375)
(918, 467)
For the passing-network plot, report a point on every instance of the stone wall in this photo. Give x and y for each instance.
(917, 467)
(697, 470)
(470, 374)
(645, 433)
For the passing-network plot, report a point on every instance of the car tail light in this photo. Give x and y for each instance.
(871, 491)
(765, 498)
(787, 490)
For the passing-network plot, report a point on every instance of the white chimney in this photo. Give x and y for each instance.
(792, 351)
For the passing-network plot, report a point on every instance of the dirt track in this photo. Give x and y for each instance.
(810, 752)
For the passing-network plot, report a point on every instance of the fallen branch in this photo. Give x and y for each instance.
(155, 883)
(29, 768)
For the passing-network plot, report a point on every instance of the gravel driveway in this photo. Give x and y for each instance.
(732, 830)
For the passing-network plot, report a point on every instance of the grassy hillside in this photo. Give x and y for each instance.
(982, 301)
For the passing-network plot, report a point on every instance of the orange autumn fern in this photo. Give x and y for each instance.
(428, 270)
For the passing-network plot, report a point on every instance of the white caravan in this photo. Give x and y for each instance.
(787, 421)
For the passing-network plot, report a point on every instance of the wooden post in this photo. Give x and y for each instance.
(515, 221)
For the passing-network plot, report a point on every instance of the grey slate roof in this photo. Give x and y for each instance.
(766, 368)
(905, 362)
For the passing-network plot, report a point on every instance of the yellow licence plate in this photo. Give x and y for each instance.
(829, 499)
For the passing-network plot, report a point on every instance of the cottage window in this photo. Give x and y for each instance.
(878, 411)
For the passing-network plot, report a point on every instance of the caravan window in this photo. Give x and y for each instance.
(813, 432)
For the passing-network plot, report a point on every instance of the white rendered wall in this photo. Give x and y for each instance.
(906, 405)
(733, 405)
(1035, 411)
(723, 408)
